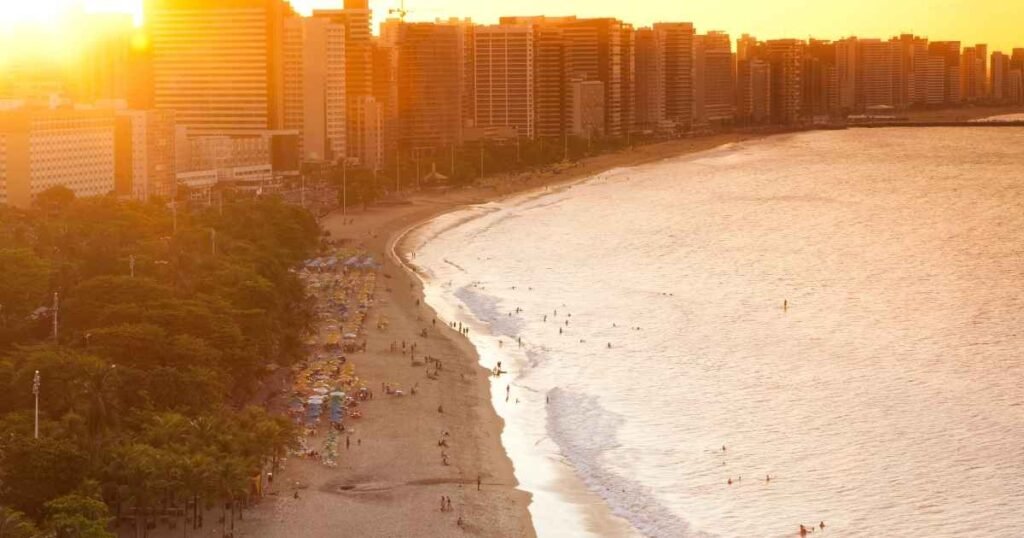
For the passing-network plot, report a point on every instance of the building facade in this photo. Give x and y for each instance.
(218, 63)
(42, 148)
(503, 80)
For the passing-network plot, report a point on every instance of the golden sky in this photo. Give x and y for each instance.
(1000, 23)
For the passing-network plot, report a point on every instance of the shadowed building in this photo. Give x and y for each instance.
(786, 57)
(675, 43)
(715, 79)
(429, 85)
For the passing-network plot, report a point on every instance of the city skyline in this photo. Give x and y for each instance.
(995, 22)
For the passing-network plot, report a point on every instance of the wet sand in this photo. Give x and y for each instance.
(390, 482)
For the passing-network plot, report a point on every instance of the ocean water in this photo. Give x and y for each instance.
(885, 399)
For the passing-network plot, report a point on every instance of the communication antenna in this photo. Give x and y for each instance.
(400, 11)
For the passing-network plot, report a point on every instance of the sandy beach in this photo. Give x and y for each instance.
(391, 479)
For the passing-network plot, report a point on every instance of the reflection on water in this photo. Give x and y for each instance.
(887, 400)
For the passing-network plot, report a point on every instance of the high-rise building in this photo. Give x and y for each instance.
(1015, 77)
(42, 148)
(846, 73)
(949, 51)
(821, 79)
(675, 42)
(650, 81)
(385, 95)
(550, 93)
(935, 81)
(588, 50)
(748, 47)
(715, 78)
(875, 73)
(974, 73)
(144, 154)
(601, 50)
(753, 81)
(218, 63)
(356, 18)
(315, 86)
(587, 108)
(909, 70)
(429, 87)
(999, 83)
(503, 86)
(106, 60)
(786, 57)
(981, 69)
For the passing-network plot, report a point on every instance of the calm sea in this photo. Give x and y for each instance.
(885, 399)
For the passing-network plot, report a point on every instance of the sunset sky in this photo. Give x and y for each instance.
(996, 22)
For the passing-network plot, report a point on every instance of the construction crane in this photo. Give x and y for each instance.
(400, 11)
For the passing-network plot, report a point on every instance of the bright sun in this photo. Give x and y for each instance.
(53, 12)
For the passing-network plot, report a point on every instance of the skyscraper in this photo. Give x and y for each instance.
(821, 80)
(715, 79)
(356, 18)
(846, 74)
(910, 70)
(428, 74)
(875, 73)
(1000, 77)
(601, 50)
(753, 81)
(949, 51)
(503, 73)
(675, 42)
(650, 81)
(144, 154)
(218, 63)
(315, 86)
(786, 58)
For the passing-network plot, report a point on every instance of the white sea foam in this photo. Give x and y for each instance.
(888, 399)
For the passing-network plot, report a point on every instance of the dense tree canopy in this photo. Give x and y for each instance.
(167, 322)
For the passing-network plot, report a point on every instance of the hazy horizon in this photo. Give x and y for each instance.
(992, 22)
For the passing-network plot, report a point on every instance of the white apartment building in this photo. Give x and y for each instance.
(42, 148)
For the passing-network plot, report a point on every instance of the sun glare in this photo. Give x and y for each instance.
(52, 13)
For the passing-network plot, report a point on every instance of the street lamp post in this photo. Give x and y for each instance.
(344, 186)
(35, 391)
(56, 312)
(131, 265)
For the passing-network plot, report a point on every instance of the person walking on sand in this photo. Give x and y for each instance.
(478, 488)
(442, 503)
(508, 391)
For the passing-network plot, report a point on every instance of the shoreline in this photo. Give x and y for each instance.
(390, 482)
